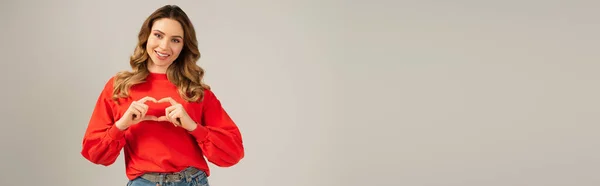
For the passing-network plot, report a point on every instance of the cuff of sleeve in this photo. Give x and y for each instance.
(200, 133)
(115, 133)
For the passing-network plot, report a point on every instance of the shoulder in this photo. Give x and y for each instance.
(108, 84)
(108, 87)
(209, 95)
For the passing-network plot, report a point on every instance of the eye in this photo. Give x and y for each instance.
(176, 40)
(158, 35)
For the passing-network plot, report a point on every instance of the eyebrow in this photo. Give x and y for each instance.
(165, 34)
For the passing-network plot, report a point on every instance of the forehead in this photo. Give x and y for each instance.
(168, 26)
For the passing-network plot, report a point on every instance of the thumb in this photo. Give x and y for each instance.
(162, 118)
(148, 117)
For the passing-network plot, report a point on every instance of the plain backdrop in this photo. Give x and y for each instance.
(326, 92)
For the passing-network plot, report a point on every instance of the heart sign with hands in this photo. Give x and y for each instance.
(177, 115)
(136, 113)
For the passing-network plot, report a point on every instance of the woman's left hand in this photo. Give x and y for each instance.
(177, 115)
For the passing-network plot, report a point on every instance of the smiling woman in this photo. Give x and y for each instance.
(161, 113)
(164, 44)
(166, 37)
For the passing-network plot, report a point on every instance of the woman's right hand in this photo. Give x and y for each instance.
(135, 113)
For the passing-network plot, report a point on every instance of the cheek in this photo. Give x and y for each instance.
(151, 44)
(177, 49)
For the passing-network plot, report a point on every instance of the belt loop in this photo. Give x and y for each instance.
(188, 177)
(160, 180)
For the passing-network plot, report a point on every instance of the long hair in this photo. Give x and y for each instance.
(183, 72)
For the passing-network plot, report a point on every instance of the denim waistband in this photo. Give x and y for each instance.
(187, 174)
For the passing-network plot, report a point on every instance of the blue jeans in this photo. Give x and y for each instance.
(198, 179)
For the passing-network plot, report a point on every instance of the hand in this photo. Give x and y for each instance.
(135, 113)
(177, 115)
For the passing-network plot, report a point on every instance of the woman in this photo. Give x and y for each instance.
(161, 113)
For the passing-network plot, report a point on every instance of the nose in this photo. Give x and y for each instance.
(164, 44)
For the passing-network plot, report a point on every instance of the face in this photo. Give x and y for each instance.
(165, 43)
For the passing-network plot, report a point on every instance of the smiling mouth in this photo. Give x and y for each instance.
(161, 56)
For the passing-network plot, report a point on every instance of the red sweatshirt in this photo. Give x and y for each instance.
(152, 146)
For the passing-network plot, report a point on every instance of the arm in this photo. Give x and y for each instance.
(218, 137)
(103, 141)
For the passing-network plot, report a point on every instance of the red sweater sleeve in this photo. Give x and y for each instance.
(103, 141)
(218, 137)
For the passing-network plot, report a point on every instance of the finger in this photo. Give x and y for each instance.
(170, 109)
(139, 108)
(149, 117)
(174, 122)
(162, 118)
(143, 108)
(174, 114)
(175, 117)
(168, 112)
(147, 98)
(142, 104)
(136, 114)
(136, 105)
(165, 118)
(169, 100)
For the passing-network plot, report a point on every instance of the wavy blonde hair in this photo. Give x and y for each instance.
(183, 72)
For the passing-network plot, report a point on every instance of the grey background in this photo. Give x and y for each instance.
(420, 93)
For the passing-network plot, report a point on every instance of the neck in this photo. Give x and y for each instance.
(153, 76)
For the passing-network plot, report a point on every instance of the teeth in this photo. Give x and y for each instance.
(162, 55)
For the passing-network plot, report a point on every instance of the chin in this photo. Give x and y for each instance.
(162, 65)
